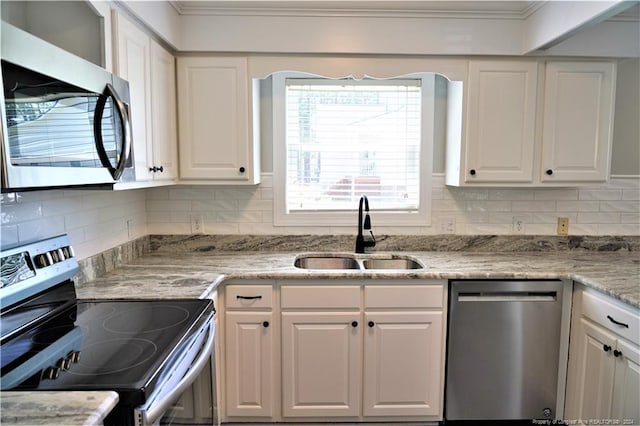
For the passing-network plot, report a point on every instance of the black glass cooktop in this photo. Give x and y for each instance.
(90, 345)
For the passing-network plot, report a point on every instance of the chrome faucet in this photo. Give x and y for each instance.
(364, 224)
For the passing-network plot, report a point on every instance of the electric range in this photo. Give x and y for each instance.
(148, 351)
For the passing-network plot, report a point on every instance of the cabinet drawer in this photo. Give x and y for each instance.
(326, 296)
(248, 296)
(604, 312)
(403, 296)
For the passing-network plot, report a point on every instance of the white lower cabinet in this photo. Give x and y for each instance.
(249, 336)
(402, 360)
(333, 350)
(321, 364)
(249, 352)
(604, 361)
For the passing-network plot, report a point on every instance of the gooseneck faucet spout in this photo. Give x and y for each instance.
(364, 224)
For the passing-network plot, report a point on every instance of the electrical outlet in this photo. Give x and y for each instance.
(447, 225)
(197, 224)
(563, 226)
(518, 225)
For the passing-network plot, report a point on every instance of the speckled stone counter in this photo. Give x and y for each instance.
(159, 267)
(56, 408)
(185, 274)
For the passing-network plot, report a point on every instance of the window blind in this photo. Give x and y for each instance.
(346, 138)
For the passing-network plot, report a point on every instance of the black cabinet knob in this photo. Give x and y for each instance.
(156, 169)
(242, 169)
(161, 169)
(265, 324)
(606, 348)
(371, 323)
(472, 172)
(617, 353)
(549, 172)
(354, 324)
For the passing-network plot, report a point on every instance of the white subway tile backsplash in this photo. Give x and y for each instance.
(578, 206)
(511, 194)
(630, 218)
(487, 206)
(215, 205)
(467, 194)
(620, 229)
(97, 220)
(533, 206)
(600, 194)
(598, 218)
(552, 217)
(555, 194)
(191, 193)
(618, 206)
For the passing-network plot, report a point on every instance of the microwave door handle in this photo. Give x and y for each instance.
(110, 92)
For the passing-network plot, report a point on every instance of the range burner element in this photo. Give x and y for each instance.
(146, 319)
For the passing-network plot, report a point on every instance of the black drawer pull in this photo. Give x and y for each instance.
(621, 324)
(265, 324)
(371, 324)
(606, 348)
(617, 353)
(249, 297)
(354, 324)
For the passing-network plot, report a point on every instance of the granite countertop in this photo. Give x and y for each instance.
(56, 408)
(185, 274)
(191, 267)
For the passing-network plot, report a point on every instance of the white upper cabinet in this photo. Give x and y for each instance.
(501, 121)
(217, 144)
(578, 121)
(532, 124)
(150, 71)
(164, 159)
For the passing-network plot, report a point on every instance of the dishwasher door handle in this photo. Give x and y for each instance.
(527, 296)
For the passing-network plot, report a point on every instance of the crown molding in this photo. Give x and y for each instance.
(381, 9)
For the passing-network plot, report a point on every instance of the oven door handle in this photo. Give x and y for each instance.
(150, 415)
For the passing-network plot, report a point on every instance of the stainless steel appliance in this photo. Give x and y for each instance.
(65, 121)
(149, 351)
(503, 350)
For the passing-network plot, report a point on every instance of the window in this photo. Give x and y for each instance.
(337, 139)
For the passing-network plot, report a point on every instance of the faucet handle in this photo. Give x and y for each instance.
(372, 242)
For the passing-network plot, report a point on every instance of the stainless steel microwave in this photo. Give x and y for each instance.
(65, 121)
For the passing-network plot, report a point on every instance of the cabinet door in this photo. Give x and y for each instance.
(321, 364)
(132, 64)
(164, 132)
(402, 363)
(578, 121)
(626, 392)
(501, 116)
(214, 120)
(592, 389)
(249, 352)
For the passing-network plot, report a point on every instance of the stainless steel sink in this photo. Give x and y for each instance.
(326, 262)
(359, 262)
(395, 263)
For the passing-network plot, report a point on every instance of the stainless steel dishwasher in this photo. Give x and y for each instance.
(503, 350)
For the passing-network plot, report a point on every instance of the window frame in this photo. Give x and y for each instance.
(328, 218)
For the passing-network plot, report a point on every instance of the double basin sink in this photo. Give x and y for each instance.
(341, 261)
